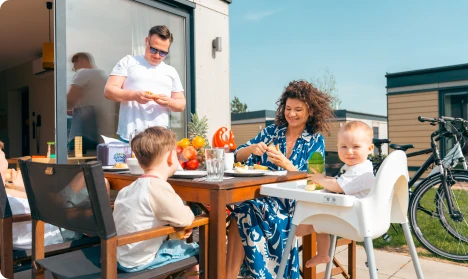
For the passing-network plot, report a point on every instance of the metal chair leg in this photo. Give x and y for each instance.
(331, 253)
(287, 250)
(412, 248)
(371, 258)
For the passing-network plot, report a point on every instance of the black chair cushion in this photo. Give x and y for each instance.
(85, 264)
(27, 275)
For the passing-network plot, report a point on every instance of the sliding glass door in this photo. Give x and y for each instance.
(104, 32)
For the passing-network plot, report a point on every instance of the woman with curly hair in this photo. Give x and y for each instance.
(263, 224)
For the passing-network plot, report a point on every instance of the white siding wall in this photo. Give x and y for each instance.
(212, 68)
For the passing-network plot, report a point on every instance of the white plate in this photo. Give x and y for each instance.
(189, 174)
(246, 172)
(112, 168)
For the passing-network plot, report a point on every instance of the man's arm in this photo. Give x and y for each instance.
(75, 93)
(113, 91)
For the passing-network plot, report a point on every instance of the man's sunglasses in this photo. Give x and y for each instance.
(161, 53)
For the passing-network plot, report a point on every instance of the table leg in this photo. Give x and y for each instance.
(217, 233)
(309, 249)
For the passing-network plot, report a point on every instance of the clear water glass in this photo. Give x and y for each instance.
(214, 162)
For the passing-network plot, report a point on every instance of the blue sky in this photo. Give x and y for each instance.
(273, 42)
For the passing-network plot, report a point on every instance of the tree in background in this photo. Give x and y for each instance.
(327, 85)
(237, 106)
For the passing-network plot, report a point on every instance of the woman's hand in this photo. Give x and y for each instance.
(277, 158)
(258, 148)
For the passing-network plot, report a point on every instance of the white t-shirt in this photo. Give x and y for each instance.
(147, 203)
(22, 231)
(356, 180)
(141, 75)
(92, 81)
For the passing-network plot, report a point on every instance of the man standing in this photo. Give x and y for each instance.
(93, 115)
(135, 76)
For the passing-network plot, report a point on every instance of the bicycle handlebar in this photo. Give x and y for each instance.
(428, 119)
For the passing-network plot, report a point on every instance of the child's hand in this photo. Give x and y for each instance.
(188, 233)
(316, 177)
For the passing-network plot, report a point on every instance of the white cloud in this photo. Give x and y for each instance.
(258, 15)
(1, 3)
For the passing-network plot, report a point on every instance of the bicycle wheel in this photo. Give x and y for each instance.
(431, 222)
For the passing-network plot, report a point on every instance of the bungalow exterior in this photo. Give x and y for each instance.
(434, 92)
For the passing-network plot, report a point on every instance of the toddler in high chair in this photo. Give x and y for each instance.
(151, 202)
(356, 177)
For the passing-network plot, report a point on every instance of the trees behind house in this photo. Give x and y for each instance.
(327, 85)
(237, 106)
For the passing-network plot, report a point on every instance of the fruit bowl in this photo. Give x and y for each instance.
(134, 166)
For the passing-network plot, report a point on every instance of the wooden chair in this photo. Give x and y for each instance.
(10, 258)
(46, 186)
(348, 273)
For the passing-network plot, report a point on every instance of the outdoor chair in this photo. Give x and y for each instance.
(13, 261)
(55, 198)
(347, 216)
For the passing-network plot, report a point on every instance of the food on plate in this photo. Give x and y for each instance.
(198, 142)
(183, 164)
(189, 153)
(238, 164)
(260, 167)
(242, 169)
(192, 164)
(120, 165)
(183, 142)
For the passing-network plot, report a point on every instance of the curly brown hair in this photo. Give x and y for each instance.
(316, 101)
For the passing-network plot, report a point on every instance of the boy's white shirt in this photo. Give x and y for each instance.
(147, 203)
(357, 180)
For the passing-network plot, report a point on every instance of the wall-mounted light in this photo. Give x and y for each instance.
(217, 44)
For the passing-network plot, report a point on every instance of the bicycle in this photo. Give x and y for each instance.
(439, 203)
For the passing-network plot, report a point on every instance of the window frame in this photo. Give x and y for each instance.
(181, 8)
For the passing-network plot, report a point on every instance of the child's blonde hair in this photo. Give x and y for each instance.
(355, 125)
(152, 144)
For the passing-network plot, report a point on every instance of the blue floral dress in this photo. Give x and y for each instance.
(264, 222)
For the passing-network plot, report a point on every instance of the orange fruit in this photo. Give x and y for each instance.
(198, 142)
(183, 142)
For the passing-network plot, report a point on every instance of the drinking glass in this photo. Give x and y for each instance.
(214, 162)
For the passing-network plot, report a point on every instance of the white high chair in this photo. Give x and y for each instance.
(349, 217)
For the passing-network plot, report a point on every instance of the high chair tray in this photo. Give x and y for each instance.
(296, 190)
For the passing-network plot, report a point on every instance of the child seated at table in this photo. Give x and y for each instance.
(151, 202)
(356, 177)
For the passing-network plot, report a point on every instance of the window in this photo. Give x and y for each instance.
(105, 31)
(456, 105)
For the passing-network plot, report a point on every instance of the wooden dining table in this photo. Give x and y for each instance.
(217, 195)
